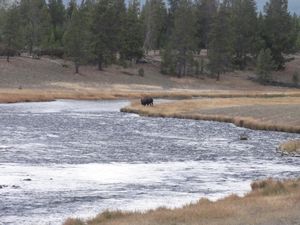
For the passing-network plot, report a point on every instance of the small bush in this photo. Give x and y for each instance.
(295, 78)
(73, 222)
(264, 66)
(269, 187)
(290, 146)
(141, 72)
(106, 216)
(123, 63)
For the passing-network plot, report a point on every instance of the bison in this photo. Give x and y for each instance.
(147, 101)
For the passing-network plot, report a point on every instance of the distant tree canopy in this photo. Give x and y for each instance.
(105, 31)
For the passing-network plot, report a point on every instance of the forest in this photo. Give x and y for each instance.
(192, 37)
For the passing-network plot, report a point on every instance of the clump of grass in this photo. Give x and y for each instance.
(269, 187)
(71, 221)
(107, 216)
(292, 146)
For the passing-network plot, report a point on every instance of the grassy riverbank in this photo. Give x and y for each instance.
(269, 203)
(263, 113)
(290, 147)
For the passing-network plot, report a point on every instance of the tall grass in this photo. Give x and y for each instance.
(291, 146)
(269, 202)
(125, 92)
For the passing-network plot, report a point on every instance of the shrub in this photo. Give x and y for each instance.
(269, 187)
(73, 222)
(295, 78)
(264, 66)
(141, 72)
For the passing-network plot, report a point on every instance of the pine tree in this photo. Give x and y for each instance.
(278, 28)
(11, 30)
(36, 24)
(183, 35)
(132, 36)
(220, 42)
(69, 11)
(244, 23)
(76, 40)
(57, 14)
(294, 35)
(264, 66)
(173, 5)
(154, 16)
(205, 13)
(106, 30)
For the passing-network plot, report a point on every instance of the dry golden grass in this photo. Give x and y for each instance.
(231, 110)
(270, 202)
(81, 92)
(291, 146)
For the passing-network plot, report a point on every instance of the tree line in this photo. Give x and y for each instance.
(103, 32)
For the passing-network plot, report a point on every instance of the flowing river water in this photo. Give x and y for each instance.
(77, 158)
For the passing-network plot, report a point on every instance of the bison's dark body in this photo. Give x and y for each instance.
(147, 101)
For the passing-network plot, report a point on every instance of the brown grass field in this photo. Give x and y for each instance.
(264, 113)
(270, 202)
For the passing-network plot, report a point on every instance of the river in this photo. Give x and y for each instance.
(77, 158)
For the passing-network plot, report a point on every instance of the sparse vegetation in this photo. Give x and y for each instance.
(141, 72)
(295, 78)
(291, 146)
(269, 202)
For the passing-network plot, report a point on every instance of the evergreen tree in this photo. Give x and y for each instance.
(154, 16)
(220, 42)
(69, 11)
(294, 34)
(277, 30)
(259, 42)
(106, 30)
(173, 5)
(58, 18)
(57, 12)
(244, 23)
(205, 13)
(264, 66)
(76, 39)
(132, 36)
(168, 61)
(11, 30)
(36, 24)
(183, 35)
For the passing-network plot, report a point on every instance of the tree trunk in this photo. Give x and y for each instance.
(202, 66)
(76, 67)
(218, 76)
(100, 62)
(7, 58)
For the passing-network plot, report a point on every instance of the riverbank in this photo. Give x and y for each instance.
(264, 113)
(291, 147)
(9, 95)
(270, 202)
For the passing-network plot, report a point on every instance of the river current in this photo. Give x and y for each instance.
(77, 158)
